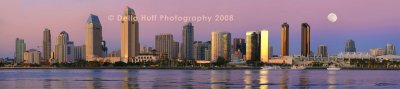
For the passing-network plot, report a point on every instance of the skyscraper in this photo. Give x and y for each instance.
(20, 48)
(239, 44)
(264, 46)
(207, 50)
(350, 46)
(129, 36)
(198, 50)
(252, 46)
(61, 47)
(187, 41)
(285, 39)
(239, 47)
(322, 51)
(220, 46)
(390, 49)
(93, 38)
(271, 51)
(175, 50)
(305, 40)
(165, 44)
(46, 44)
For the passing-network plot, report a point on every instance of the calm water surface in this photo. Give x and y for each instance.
(183, 79)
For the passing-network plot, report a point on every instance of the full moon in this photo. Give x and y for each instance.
(332, 17)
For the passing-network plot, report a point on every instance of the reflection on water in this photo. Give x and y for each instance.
(284, 80)
(332, 79)
(263, 79)
(195, 79)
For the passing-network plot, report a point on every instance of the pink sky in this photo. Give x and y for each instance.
(371, 23)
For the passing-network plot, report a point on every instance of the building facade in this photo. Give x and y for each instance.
(46, 44)
(93, 38)
(220, 46)
(165, 44)
(264, 46)
(187, 41)
(350, 46)
(198, 50)
(322, 51)
(285, 39)
(377, 52)
(63, 49)
(252, 46)
(390, 49)
(32, 56)
(20, 48)
(305, 40)
(129, 36)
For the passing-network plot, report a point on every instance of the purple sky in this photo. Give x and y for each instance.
(371, 23)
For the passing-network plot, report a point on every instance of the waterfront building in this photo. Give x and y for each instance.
(377, 52)
(79, 52)
(264, 46)
(207, 50)
(63, 48)
(165, 44)
(285, 39)
(32, 56)
(350, 46)
(187, 42)
(20, 48)
(322, 51)
(46, 45)
(220, 46)
(252, 46)
(129, 36)
(93, 38)
(305, 40)
(390, 49)
(198, 50)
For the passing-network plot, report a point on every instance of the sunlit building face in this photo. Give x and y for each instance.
(264, 55)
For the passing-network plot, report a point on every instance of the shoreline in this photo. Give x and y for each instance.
(191, 68)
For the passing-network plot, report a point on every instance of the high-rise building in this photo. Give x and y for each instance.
(32, 56)
(322, 51)
(70, 52)
(46, 45)
(79, 52)
(239, 44)
(198, 50)
(61, 47)
(390, 49)
(175, 50)
(164, 43)
(285, 39)
(252, 46)
(220, 46)
(207, 50)
(187, 41)
(350, 46)
(305, 40)
(264, 46)
(271, 51)
(377, 52)
(20, 48)
(239, 47)
(129, 36)
(93, 38)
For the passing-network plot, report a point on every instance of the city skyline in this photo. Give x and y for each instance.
(333, 35)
